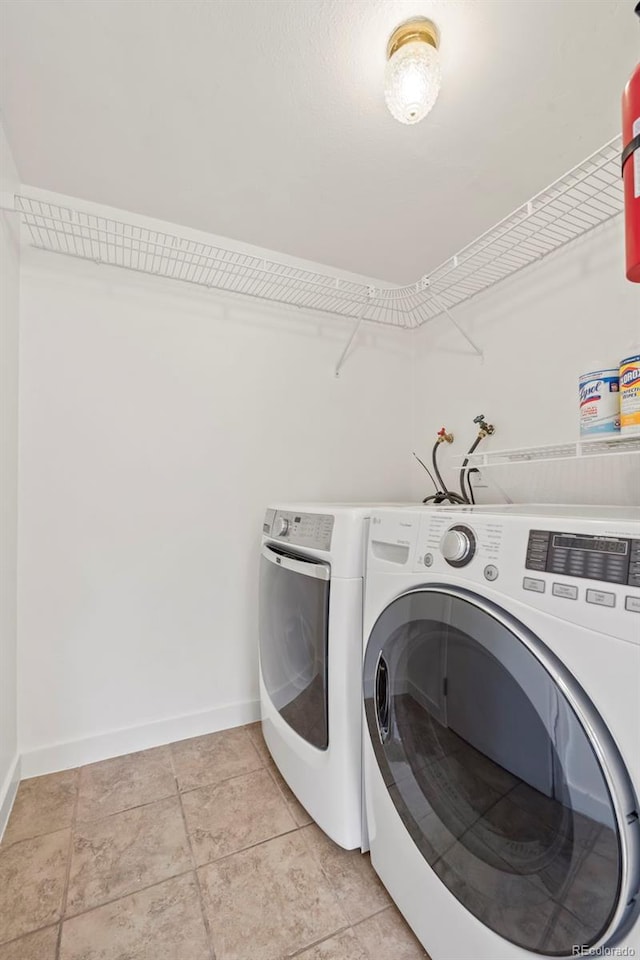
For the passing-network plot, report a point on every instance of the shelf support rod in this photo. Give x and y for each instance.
(354, 334)
(476, 349)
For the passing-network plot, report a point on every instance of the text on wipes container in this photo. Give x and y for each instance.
(591, 391)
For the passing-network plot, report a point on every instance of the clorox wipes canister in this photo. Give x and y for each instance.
(599, 400)
(630, 393)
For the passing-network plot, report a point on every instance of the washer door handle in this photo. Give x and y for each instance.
(382, 698)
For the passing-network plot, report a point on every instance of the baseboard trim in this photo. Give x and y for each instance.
(116, 743)
(8, 792)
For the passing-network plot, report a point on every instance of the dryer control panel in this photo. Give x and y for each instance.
(312, 530)
(608, 559)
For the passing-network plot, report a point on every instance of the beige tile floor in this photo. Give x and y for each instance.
(194, 851)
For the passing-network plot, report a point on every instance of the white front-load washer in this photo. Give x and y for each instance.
(502, 727)
(311, 596)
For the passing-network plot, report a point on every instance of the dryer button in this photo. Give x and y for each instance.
(632, 604)
(491, 572)
(428, 559)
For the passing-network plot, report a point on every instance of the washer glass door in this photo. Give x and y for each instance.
(492, 771)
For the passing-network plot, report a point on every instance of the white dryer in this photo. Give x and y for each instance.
(502, 727)
(311, 596)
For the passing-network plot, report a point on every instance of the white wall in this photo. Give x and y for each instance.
(538, 331)
(157, 421)
(9, 322)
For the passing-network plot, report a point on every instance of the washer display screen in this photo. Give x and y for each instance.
(598, 544)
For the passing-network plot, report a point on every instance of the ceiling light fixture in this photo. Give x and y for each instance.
(412, 75)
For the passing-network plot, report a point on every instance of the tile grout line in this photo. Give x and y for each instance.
(316, 943)
(183, 873)
(177, 794)
(125, 896)
(89, 822)
(148, 803)
(216, 783)
(135, 806)
(29, 933)
(207, 929)
(299, 828)
(252, 846)
(327, 876)
(264, 766)
(63, 908)
(284, 797)
(350, 926)
(267, 766)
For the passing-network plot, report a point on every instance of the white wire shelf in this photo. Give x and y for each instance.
(597, 447)
(587, 196)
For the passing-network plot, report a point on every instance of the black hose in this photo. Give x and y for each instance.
(440, 497)
(473, 499)
(468, 498)
(423, 464)
(434, 460)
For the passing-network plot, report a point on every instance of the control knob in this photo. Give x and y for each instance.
(283, 527)
(458, 545)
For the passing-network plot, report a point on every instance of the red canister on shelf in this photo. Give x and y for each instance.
(631, 169)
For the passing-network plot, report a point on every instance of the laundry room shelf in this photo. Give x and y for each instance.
(585, 197)
(599, 447)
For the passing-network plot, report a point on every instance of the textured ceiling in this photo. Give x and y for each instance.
(264, 120)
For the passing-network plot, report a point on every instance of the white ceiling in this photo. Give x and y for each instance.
(264, 120)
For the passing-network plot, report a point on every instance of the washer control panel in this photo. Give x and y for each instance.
(589, 557)
(313, 530)
(467, 542)
(584, 570)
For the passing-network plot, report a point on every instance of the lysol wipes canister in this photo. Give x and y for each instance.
(599, 400)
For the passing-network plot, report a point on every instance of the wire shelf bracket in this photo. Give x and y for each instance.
(352, 338)
(477, 352)
(588, 195)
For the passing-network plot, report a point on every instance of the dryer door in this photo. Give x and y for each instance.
(294, 637)
(501, 771)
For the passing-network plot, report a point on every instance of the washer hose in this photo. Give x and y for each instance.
(434, 460)
(468, 498)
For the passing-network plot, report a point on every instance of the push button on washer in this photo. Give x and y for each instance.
(632, 604)
(490, 572)
(565, 590)
(602, 598)
(531, 583)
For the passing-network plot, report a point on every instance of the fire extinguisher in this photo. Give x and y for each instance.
(631, 169)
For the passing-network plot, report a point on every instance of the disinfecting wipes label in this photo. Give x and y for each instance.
(599, 402)
(630, 394)
(636, 160)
